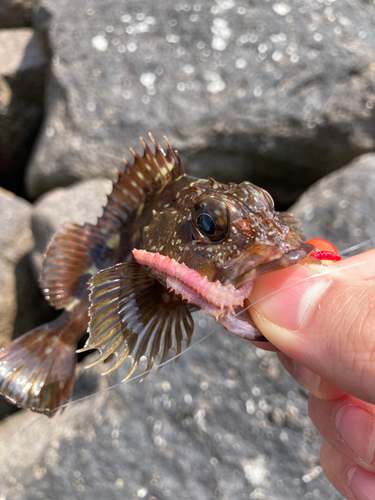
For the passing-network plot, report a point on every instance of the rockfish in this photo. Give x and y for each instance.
(166, 245)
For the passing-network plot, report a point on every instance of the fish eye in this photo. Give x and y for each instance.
(210, 217)
(269, 199)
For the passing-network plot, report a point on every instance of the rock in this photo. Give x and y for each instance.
(79, 203)
(15, 13)
(23, 65)
(340, 208)
(22, 306)
(226, 423)
(15, 243)
(276, 93)
(22, 75)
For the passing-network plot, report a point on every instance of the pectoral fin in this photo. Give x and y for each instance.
(71, 252)
(133, 315)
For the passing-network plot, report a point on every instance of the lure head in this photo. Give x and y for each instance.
(324, 250)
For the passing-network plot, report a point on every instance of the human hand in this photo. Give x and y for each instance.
(324, 328)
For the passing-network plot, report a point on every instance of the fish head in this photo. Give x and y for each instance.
(230, 233)
(212, 240)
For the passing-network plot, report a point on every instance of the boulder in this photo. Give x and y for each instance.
(16, 241)
(22, 75)
(279, 93)
(15, 13)
(226, 422)
(340, 208)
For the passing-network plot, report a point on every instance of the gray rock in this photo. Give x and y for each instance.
(340, 208)
(79, 203)
(16, 241)
(22, 306)
(15, 13)
(23, 65)
(277, 93)
(22, 75)
(225, 423)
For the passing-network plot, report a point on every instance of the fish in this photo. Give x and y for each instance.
(166, 245)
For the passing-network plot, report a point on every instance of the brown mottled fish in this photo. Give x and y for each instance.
(166, 245)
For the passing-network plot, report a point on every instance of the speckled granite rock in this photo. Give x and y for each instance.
(225, 423)
(257, 90)
(16, 241)
(340, 208)
(15, 13)
(22, 74)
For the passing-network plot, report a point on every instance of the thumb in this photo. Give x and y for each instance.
(324, 319)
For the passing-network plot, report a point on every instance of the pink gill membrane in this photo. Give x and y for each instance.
(225, 297)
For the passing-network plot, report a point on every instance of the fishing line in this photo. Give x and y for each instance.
(11, 476)
(135, 377)
(359, 245)
(140, 375)
(66, 480)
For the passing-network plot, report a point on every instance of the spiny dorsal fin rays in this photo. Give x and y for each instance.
(133, 315)
(145, 178)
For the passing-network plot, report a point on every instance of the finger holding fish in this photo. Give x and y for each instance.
(323, 321)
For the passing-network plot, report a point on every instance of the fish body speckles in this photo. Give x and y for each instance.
(166, 245)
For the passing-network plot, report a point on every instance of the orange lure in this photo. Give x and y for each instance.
(324, 250)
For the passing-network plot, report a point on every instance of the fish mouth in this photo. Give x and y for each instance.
(223, 301)
(250, 267)
(239, 321)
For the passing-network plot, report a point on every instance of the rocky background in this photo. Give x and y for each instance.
(278, 93)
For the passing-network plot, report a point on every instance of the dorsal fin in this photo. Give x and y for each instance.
(75, 249)
(145, 178)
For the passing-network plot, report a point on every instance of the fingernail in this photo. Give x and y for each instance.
(362, 483)
(356, 428)
(309, 380)
(297, 296)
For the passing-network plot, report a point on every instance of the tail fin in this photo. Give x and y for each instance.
(37, 369)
